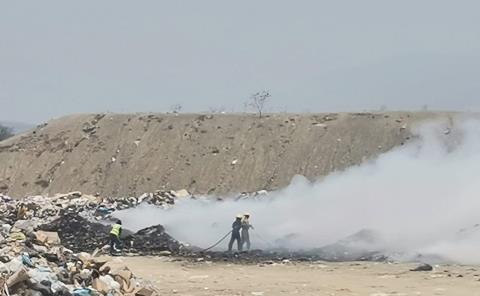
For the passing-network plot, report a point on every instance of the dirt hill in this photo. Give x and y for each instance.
(128, 154)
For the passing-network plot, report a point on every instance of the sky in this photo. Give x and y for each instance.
(64, 57)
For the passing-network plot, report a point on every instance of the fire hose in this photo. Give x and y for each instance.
(217, 243)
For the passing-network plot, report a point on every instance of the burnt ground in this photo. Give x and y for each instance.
(81, 235)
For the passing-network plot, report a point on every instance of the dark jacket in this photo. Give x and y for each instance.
(236, 226)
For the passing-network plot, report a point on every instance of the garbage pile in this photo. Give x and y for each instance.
(153, 241)
(88, 206)
(77, 233)
(33, 262)
(54, 245)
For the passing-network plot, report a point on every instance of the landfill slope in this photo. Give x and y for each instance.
(129, 154)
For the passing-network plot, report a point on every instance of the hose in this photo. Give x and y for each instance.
(217, 243)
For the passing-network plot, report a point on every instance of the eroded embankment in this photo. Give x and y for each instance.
(128, 154)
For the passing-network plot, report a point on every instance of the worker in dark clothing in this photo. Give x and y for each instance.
(236, 226)
(115, 234)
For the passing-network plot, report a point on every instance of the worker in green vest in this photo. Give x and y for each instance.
(115, 234)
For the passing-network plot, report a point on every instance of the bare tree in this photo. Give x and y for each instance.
(258, 101)
(5, 132)
(176, 108)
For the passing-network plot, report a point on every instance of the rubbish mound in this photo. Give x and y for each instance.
(88, 206)
(79, 234)
(51, 245)
(35, 263)
(152, 241)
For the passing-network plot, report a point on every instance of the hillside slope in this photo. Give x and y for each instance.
(129, 154)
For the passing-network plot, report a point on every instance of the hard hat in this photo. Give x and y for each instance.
(247, 214)
(239, 216)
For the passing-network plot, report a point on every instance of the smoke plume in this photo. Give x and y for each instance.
(423, 197)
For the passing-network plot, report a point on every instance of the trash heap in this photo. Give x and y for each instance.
(77, 233)
(159, 198)
(153, 241)
(56, 245)
(88, 206)
(34, 262)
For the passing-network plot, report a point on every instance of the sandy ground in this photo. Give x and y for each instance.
(353, 278)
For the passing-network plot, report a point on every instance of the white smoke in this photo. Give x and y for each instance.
(417, 197)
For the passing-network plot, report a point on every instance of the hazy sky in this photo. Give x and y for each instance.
(61, 57)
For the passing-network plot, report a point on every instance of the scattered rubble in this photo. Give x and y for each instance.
(39, 265)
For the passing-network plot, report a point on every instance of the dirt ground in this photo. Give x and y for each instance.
(129, 154)
(174, 277)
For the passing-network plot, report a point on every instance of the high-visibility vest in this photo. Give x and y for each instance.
(116, 229)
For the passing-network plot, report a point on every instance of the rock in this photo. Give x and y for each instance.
(423, 267)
